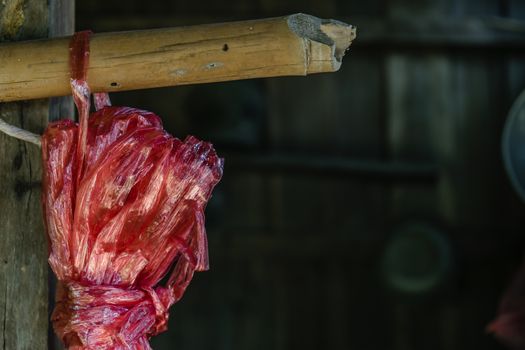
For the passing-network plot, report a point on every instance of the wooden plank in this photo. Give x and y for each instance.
(444, 108)
(280, 294)
(479, 8)
(420, 127)
(62, 23)
(440, 32)
(305, 324)
(449, 115)
(375, 8)
(419, 9)
(92, 9)
(327, 114)
(323, 221)
(322, 8)
(479, 175)
(23, 268)
(366, 170)
(338, 296)
(358, 128)
(359, 248)
(23, 275)
(236, 209)
(23, 253)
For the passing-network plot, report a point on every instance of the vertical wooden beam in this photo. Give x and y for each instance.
(23, 252)
(61, 23)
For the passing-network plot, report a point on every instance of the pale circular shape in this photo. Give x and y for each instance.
(513, 145)
(417, 259)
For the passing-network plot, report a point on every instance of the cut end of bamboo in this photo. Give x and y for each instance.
(326, 41)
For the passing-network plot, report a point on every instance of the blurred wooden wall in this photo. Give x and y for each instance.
(366, 209)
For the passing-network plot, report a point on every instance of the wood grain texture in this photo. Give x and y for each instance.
(23, 264)
(293, 45)
(23, 253)
(62, 24)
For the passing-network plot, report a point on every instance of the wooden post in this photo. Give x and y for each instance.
(23, 252)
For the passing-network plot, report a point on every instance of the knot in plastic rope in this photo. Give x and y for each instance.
(109, 317)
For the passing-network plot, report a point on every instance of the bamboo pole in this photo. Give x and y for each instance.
(294, 45)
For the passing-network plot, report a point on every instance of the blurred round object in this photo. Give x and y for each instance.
(417, 259)
(513, 145)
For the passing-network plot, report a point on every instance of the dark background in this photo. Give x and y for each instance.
(365, 209)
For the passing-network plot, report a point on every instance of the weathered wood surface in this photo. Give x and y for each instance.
(23, 276)
(23, 253)
(24, 272)
(293, 45)
(62, 24)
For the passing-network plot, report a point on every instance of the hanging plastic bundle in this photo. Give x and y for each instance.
(124, 206)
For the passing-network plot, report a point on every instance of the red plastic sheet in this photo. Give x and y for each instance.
(124, 205)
